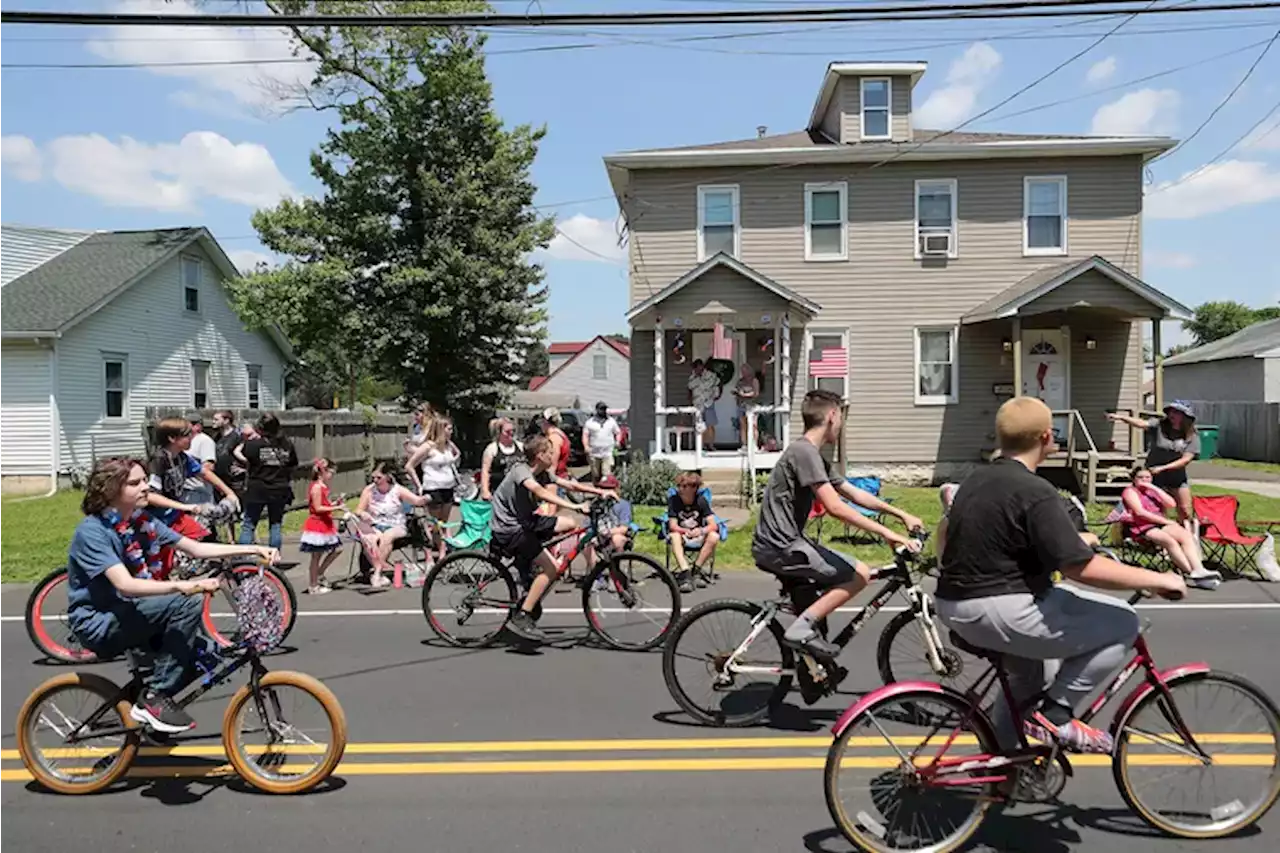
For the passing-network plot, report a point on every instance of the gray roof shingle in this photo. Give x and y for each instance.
(56, 292)
(1255, 340)
(813, 139)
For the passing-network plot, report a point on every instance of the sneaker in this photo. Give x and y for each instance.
(379, 581)
(1073, 736)
(685, 580)
(815, 644)
(1205, 579)
(319, 590)
(159, 712)
(524, 627)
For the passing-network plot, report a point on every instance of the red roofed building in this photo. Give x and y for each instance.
(591, 371)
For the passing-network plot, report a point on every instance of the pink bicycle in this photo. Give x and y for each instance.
(915, 765)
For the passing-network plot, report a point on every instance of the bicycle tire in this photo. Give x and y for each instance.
(1118, 766)
(667, 579)
(337, 723)
(93, 683)
(36, 625)
(438, 570)
(987, 744)
(970, 664)
(677, 691)
(288, 595)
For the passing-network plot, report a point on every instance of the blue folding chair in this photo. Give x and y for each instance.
(870, 485)
(704, 574)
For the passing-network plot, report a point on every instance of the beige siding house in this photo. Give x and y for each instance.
(587, 372)
(942, 271)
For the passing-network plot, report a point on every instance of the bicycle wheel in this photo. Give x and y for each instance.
(901, 655)
(630, 601)
(221, 625)
(1242, 737)
(729, 698)
(468, 598)
(59, 706)
(47, 623)
(294, 757)
(873, 790)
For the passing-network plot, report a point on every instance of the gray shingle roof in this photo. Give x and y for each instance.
(813, 139)
(53, 294)
(1255, 340)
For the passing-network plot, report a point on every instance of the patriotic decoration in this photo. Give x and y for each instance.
(767, 349)
(678, 349)
(721, 343)
(832, 363)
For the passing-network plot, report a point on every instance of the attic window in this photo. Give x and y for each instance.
(875, 108)
(192, 272)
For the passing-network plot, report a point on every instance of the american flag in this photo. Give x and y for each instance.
(832, 364)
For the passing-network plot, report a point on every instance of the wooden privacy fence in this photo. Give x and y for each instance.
(1249, 431)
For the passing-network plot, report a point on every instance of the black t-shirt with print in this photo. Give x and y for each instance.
(270, 469)
(689, 517)
(1007, 532)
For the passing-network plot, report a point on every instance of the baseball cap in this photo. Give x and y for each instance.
(195, 418)
(608, 482)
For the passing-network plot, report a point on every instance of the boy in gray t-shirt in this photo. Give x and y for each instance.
(780, 546)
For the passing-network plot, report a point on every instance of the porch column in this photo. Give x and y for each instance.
(1157, 360)
(659, 382)
(784, 332)
(1017, 356)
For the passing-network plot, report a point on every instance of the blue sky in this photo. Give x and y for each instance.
(139, 148)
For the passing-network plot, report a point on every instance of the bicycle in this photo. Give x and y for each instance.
(735, 660)
(48, 622)
(473, 584)
(100, 740)
(972, 781)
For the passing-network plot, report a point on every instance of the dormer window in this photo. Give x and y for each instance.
(876, 119)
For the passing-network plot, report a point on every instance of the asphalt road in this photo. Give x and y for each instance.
(572, 749)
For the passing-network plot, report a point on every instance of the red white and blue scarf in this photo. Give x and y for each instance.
(141, 542)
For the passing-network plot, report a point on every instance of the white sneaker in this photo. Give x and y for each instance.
(1205, 579)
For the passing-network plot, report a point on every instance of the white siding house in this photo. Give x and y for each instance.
(116, 323)
(1244, 367)
(599, 370)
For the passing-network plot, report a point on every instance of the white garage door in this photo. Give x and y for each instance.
(25, 425)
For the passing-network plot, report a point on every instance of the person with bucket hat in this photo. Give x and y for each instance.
(1173, 442)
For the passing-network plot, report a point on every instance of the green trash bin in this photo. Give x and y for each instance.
(1208, 441)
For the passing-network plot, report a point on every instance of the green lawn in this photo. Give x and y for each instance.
(1269, 467)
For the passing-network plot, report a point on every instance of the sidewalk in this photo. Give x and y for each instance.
(1270, 489)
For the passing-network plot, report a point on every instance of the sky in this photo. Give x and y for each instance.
(136, 148)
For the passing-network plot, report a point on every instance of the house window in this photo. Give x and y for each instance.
(114, 382)
(936, 218)
(192, 273)
(200, 384)
(825, 230)
(1045, 216)
(828, 358)
(937, 377)
(718, 225)
(254, 372)
(876, 118)
(599, 367)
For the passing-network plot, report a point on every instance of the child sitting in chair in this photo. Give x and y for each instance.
(692, 524)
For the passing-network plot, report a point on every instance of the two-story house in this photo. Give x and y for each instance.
(589, 372)
(922, 275)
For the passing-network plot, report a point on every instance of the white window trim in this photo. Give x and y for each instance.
(937, 399)
(841, 187)
(955, 220)
(1027, 251)
(199, 288)
(208, 401)
(737, 216)
(862, 107)
(124, 378)
(604, 359)
(248, 387)
(823, 331)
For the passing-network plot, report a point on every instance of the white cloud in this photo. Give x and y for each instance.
(248, 85)
(21, 157)
(1265, 138)
(1146, 112)
(1102, 70)
(166, 176)
(1222, 186)
(968, 75)
(246, 260)
(584, 238)
(1170, 260)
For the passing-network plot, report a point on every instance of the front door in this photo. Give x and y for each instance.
(726, 407)
(1046, 373)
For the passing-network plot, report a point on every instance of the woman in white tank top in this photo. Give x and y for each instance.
(381, 509)
(433, 467)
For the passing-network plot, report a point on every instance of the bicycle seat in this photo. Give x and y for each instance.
(966, 646)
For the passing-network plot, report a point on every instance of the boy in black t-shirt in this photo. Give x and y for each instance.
(691, 523)
(1006, 533)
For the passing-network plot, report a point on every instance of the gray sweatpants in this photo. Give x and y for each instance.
(1090, 633)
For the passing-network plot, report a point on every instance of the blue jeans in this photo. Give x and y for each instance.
(160, 632)
(275, 517)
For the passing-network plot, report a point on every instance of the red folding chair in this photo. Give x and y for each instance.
(1221, 535)
(817, 513)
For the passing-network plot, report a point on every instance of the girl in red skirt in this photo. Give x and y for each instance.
(319, 533)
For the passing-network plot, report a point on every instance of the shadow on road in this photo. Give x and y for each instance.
(175, 791)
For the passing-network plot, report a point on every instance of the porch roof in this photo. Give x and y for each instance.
(737, 266)
(1011, 301)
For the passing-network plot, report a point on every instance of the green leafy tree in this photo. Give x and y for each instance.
(412, 265)
(1216, 320)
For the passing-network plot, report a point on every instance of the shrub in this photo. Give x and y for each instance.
(646, 483)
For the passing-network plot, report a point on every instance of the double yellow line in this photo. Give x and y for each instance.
(814, 747)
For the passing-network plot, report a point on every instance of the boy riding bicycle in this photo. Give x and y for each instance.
(522, 532)
(780, 546)
(115, 605)
(171, 468)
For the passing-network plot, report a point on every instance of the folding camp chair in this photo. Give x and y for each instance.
(870, 485)
(704, 575)
(473, 533)
(1135, 551)
(1221, 536)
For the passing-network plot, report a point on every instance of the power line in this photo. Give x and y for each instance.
(1213, 162)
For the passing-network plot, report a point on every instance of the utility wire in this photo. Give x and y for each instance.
(1213, 162)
